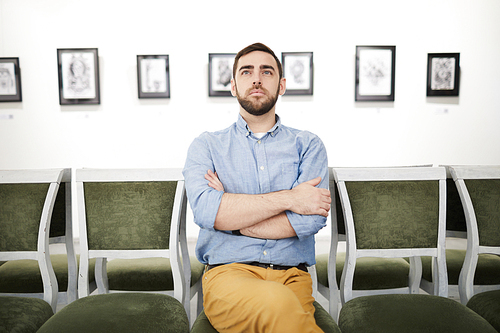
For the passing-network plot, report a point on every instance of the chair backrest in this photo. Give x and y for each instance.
(394, 212)
(132, 213)
(27, 200)
(479, 189)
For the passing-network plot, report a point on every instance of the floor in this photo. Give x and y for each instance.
(322, 246)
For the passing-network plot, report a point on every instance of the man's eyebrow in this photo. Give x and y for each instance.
(267, 67)
(252, 67)
(246, 67)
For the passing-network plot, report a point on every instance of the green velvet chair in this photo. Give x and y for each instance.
(133, 214)
(487, 274)
(394, 213)
(479, 189)
(372, 275)
(26, 203)
(145, 204)
(323, 320)
(127, 214)
(24, 277)
(399, 212)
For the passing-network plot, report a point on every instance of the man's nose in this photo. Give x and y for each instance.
(256, 79)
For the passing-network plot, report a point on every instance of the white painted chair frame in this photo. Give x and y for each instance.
(42, 255)
(181, 276)
(466, 286)
(71, 294)
(331, 293)
(343, 175)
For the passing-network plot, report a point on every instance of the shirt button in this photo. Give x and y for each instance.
(258, 142)
(262, 167)
(265, 253)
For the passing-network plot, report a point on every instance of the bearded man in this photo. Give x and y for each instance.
(259, 193)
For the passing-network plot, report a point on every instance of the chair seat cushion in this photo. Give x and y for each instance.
(323, 320)
(23, 276)
(487, 271)
(370, 273)
(23, 314)
(146, 274)
(487, 305)
(120, 312)
(410, 313)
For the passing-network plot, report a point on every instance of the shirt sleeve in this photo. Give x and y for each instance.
(314, 163)
(204, 200)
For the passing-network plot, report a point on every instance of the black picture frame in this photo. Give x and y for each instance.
(10, 80)
(443, 74)
(78, 76)
(220, 72)
(299, 72)
(153, 76)
(375, 73)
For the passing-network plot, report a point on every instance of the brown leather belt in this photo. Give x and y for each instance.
(302, 267)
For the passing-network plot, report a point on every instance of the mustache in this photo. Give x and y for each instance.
(256, 86)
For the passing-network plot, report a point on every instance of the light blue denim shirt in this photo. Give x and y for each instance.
(280, 160)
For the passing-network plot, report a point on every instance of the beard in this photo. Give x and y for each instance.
(257, 106)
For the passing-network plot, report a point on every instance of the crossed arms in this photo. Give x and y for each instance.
(263, 215)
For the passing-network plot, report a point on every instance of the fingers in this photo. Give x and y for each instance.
(314, 182)
(213, 180)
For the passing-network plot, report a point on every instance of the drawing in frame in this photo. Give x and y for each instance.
(78, 76)
(443, 74)
(10, 80)
(220, 72)
(298, 71)
(375, 73)
(153, 76)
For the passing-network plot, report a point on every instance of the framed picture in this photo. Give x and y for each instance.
(10, 80)
(375, 73)
(298, 71)
(153, 76)
(443, 74)
(78, 76)
(220, 72)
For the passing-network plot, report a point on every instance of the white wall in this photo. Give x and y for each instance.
(124, 131)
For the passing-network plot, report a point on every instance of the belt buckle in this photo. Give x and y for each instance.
(271, 266)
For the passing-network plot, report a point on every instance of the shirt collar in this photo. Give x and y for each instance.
(242, 125)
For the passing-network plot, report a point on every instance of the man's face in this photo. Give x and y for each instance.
(256, 84)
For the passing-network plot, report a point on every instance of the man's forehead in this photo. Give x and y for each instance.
(257, 59)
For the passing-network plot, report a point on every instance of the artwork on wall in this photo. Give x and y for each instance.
(220, 72)
(10, 80)
(298, 71)
(375, 73)
(153, 76)
(78, 76)
(443, 74)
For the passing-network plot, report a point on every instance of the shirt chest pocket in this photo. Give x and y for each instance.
(289, 174)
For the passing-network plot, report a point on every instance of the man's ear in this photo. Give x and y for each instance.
(233, 87)
(282, 86)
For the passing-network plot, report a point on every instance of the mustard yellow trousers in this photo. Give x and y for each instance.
(243, 298)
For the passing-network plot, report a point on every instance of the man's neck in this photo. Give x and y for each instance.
(259, 124)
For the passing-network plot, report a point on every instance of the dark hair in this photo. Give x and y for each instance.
(252, 48)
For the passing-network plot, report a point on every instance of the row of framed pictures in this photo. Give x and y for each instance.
(376, 72)
(375, 75)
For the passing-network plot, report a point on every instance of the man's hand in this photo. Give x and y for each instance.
(213, 181)
(307, 199)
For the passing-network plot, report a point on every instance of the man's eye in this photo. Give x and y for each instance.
(267, 72)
